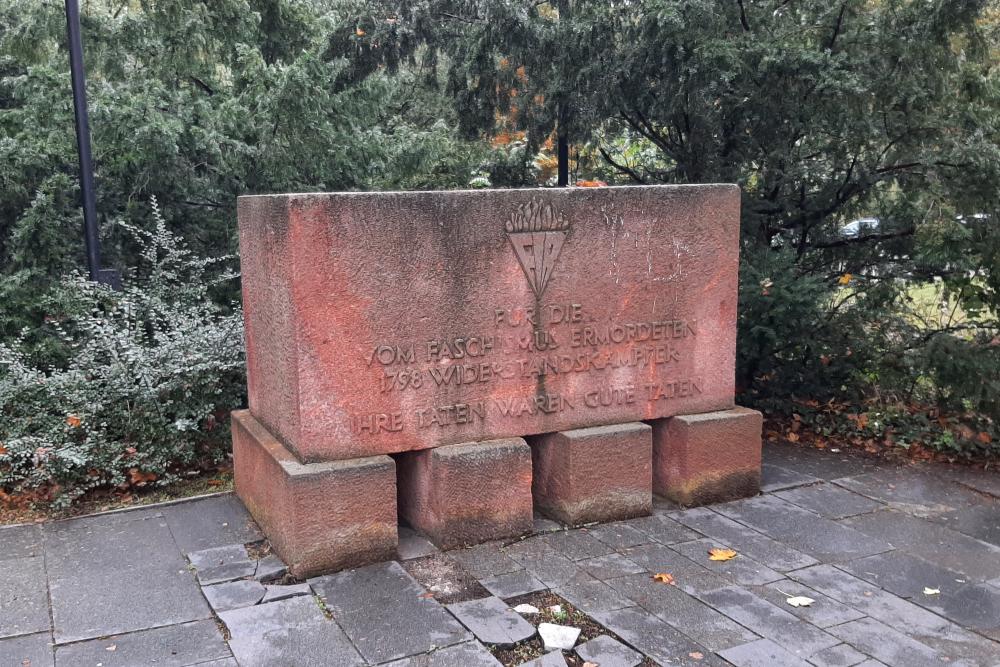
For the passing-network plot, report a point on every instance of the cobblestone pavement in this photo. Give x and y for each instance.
(902, 567)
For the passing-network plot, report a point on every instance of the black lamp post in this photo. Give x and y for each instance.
(93, 243)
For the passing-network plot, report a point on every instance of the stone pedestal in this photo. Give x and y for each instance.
(707, 458)
(602, 473)
(318, 516)
(467, 493)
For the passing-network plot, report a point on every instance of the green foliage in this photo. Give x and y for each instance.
(144, 393)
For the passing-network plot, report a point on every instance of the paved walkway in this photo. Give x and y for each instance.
(903, 567)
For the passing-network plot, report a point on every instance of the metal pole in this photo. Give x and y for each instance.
(83, 140)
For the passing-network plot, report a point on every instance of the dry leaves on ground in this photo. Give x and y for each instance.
(664, 577)
(721, 554)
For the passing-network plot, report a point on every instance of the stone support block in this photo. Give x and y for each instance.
(467, 493)
(707, 458)
(319, 517)
(603, 473)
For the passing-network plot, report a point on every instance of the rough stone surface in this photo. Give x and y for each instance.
(607, 652)
(823, 613)
(469, 493)
(386, 613)
(116, 596)
(485, 560)
(742, 569)
(746, 541)
(24, 604)
(512, 584)
(886, 644)
(220, 564)
(33, 650)
(20, 542)
(610, 566)
(603, 473)
(589, 594)
(234, 594)
(829, 500)
(172, 646)
(777, 478)
(841, 655)
(635, 291)
(692, 617)
(273, 593)
(319, 517)
(550, 659)
(492, 621)
(804, 530)
(413, 545)
(558, 636)
(707, 458)
(762, 653)
(211, 522)
(270, 568)
(619, 535)
(469, 654)
(654, 637)
(771, 622)
(286, 633)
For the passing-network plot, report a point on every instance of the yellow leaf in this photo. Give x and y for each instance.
(663, 578)
(359, 32)
(721, 554)
(73, 420)
(792, 437)
(845, 279)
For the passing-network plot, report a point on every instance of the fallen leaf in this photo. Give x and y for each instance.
(845, 279)
(931, 591)
(696, 655)
(111, 648)
(984, 437)
(73, 420)
(359, 32)
(799, 601)
(792, 437)
(3, 450)
(590, 664)
(427, 596)
(721, 554)
(663, 577)
(214, 482)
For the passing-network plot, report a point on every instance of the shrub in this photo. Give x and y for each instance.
(147, 377)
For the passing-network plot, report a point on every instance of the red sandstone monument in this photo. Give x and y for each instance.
(459, 358)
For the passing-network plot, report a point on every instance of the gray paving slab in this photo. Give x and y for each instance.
(619, 535)
(692, 617)
(589, 594)
(610, 566)
(20, 542)
(512, 584)
(225, 662)
(469, 654)
(745, 540)
(234, 594)
(541, 524)
(27, 651)
(219, 564)
(663, 529)
(543, 562)
(577, 544)
(386, 613)
(829, 500)
(841, 655)
(689, 576)
(117, 575)
(872, 663)
(171, 646)
(742, 569)
(211, 522)
(485, 560)
(274, 592)
(886, 644)
(655, 638)
(905, 575)
(822, 613)
(286, 634)
(762, 653)
(896, 612)
(607, 652)
(775, 478)
(550, 659)
(270, 568)
(823, 464)
(912, 491)
(769, 621)
(413, 545)
(825, 540)
(981, 522)
(492, 621)
(932, 542)
(986, 482)
(24, 601)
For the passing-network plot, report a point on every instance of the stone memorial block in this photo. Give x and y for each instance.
(393, 323)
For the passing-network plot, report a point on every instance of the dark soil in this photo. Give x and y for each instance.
(445, 579)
